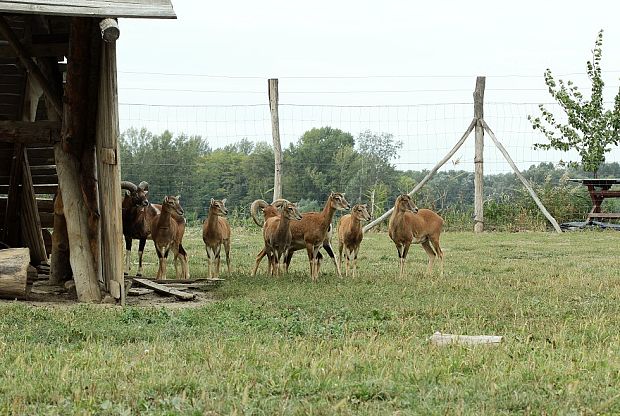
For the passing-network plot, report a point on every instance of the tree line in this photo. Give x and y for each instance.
(328, 159)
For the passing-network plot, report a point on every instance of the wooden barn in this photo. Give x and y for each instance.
(59, 128)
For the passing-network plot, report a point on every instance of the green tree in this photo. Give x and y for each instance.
(167, 162)
(312, 166)
(373, 169)
(591, 130)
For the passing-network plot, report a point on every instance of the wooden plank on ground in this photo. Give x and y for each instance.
(165, 290)
(139, 291)
(203, 280)
(447, 339)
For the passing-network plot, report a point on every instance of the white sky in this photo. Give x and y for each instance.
(333, 55)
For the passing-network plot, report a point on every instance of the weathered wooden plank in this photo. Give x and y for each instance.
(610, 215)
(139, 291)
(30, 132)
(155, 9)
(448, 339)
(31, 222)
(203, 280)
(42, 169)
(165, 290)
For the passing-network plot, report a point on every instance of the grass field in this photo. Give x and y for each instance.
(341, 346)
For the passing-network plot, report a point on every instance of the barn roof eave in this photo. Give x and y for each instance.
(146, 9)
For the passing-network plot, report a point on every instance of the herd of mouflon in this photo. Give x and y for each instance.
(285, 230)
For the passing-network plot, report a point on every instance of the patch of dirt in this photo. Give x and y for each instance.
(45, 295)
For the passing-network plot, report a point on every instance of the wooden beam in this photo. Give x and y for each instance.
(30, 132)
(527, 185)
(155, 9)
(30, 66)
(430, 174)
(109, 30)
(165, 290)
(30, 220)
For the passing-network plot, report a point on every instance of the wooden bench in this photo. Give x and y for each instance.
(610, 215)
(599, 190)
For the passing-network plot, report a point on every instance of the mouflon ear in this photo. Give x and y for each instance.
(224, 201)
(212, 201)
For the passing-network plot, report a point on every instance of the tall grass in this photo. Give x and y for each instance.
(340, 346)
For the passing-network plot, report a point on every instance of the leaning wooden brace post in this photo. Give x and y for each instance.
(108, 165)
(275, 132)
(419, 186)
(31, 222)
(522, 178)
(479, 156)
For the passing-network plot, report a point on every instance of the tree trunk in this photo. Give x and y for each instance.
(81, 257)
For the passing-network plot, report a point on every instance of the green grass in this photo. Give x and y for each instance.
(351, 346)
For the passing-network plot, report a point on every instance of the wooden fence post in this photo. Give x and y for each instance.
(275, 132)
(479, 156)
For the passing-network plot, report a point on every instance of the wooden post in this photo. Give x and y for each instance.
(527, 185)
(108, 167)
(75, 158)
(479, 156)
(275, 132)
(429, 176)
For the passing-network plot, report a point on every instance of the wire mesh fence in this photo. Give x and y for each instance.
(426, 132)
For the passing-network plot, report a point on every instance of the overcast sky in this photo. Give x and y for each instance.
(349, 53)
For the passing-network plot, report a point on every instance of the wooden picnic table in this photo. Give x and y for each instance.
(600, 189)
